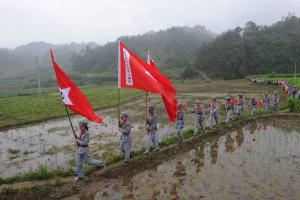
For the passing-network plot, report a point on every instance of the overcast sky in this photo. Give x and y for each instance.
(64, 21)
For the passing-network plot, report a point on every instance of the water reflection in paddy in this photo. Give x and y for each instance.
(260, 161)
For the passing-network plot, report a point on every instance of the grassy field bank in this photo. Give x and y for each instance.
(287, 77)
(17, 110)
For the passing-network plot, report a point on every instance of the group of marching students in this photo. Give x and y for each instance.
(82, 140)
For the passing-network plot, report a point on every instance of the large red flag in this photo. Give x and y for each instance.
(168, 99)
(72, 96)
(135, 73)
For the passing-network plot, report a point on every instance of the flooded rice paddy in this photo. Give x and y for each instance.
(258, 161)
(51, 142)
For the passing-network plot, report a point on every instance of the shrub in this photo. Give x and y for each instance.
(294, 105)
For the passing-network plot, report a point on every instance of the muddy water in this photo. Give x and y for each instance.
(52, 142)
(259, 161)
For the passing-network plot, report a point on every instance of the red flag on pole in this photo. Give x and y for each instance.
(133, 72)
(72, 96)
(170, 100)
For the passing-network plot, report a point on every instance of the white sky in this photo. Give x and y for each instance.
(64, 21)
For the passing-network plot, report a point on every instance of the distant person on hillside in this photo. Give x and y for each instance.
(82, 154)
(240, 105)
(266, 101)
(179, 124)
(151, 128)
(125, 144)
(253, 104)
(229, 109)
(213, 111)
(198, 117)
(276, 100)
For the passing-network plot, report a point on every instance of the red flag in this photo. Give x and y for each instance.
(72, 96)
(151, 62)
(135, 73)
(169, 100)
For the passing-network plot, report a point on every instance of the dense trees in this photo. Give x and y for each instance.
(173, 49)
(252, 49)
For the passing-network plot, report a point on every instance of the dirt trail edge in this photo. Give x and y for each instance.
(53, 189)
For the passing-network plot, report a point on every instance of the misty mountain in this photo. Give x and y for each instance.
(253, 49)
(173, 50)
(24, 56)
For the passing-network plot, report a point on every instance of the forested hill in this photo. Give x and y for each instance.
(173, 50)
(252, 49)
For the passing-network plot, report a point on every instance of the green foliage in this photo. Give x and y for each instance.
(9, 190)
(172, 49)
(271, 75)
(295, 82)
(41, 173)
(253, 49)
(294, 105)
(189, 72)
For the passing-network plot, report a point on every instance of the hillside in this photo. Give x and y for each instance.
(173, 50)
(253, 49)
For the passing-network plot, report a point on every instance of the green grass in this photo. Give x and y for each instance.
(290, 78)
(294, 105)
(41, 173)
(33, 108)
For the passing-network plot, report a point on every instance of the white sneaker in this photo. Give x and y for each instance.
(77, 178)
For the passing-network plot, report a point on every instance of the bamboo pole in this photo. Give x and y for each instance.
(74, 134)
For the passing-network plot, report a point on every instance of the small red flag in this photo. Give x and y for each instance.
(72, 96)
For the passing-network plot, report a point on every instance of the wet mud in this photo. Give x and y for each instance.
(257, 159)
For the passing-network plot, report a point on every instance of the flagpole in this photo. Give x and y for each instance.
(146, 107)
(119, 82)
(74, 134)
(119, 96)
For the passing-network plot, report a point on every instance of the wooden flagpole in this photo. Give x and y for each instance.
(119, 96)
(74, 134)
(146, 108)
(119, 83)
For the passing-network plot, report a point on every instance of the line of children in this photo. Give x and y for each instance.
(83, 155)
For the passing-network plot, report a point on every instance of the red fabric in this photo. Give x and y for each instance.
(135, 73)
(73, 98)
(233, 101)
(260, 104)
